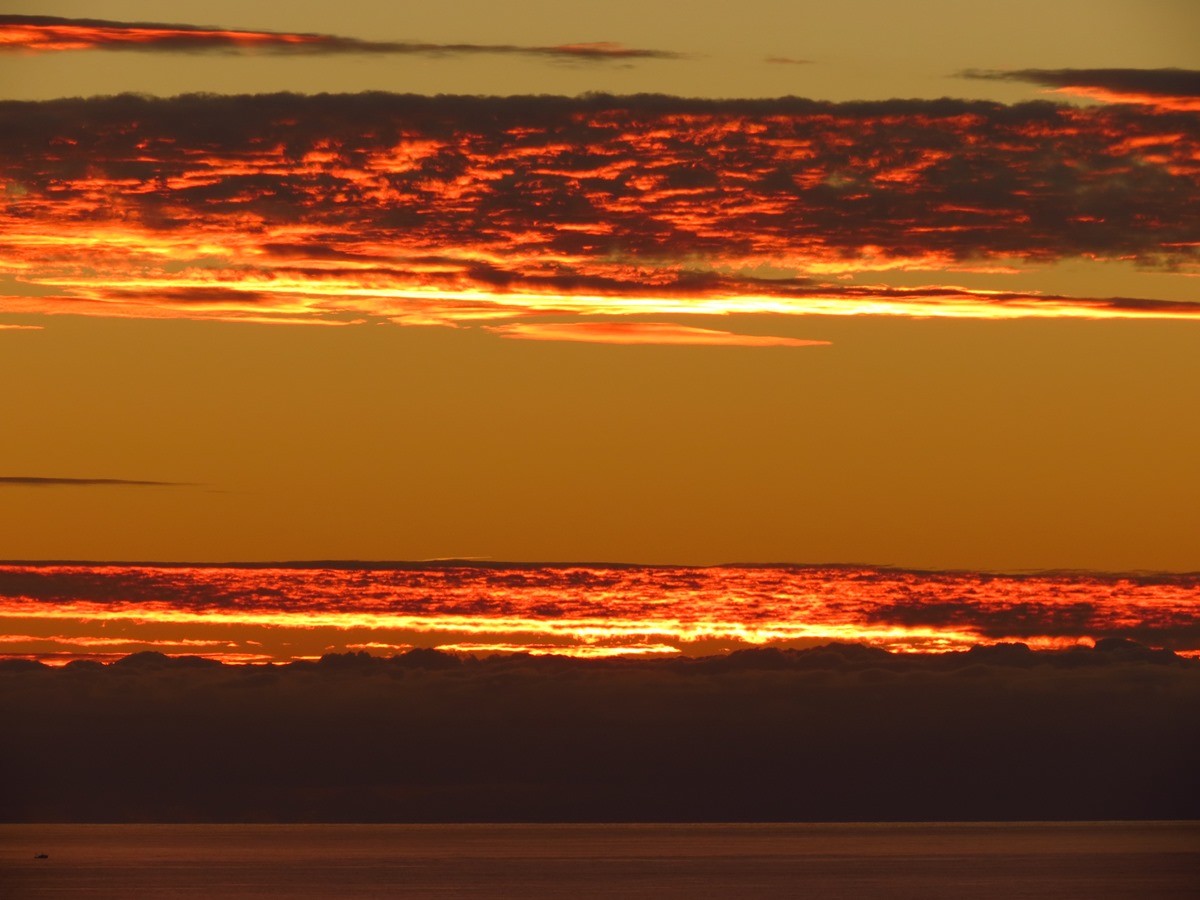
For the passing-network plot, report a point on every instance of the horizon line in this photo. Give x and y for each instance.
(1101, 644)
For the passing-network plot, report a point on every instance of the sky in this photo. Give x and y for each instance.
(775, 282)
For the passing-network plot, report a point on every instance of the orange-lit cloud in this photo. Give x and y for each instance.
(86, 641)
(590, 610)
(641, 333)
(41, 34)
(467, 210)
(1172, 89)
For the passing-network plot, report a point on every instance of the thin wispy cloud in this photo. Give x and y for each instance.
(1177, 89)
(467, 210)
(47, 34)
(37, 481)
(642, 333)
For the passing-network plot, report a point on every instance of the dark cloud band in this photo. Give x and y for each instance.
(1165, 82)
(30, 481)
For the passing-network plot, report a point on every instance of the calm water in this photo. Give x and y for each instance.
(922, 862)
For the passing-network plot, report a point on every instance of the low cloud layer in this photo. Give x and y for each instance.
(466, 210)
(46, 34)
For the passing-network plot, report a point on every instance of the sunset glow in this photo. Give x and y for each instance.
(763, 420)
(58, 613)
(17, 33)
(645, 324)
(1104, 95)
(408, 210)
(49, 34)
(1166, 89)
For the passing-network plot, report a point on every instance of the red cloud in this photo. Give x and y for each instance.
(41, 34)
(453, 210)
(1169, 89)
(641, 333)
(580, 608)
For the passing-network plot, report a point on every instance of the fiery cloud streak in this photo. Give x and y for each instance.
(1171, 89)
(50, 34)
(641, 333)
(580, 610)
(458, 210)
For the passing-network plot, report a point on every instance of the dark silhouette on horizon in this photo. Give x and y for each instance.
(835, 733)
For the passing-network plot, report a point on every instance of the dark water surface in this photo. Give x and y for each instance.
(919, 861)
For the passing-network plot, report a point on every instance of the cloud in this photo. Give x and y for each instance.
(4, 327)
(1174, 89)
(40, 34)
(30, 481)
(1033, 617)
(787, 61)
(462, 210)
(641, 333)
(122, 642)
(570, 609)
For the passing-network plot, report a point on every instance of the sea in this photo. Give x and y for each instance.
(980, 861)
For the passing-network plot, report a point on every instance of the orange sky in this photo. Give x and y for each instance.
(919, 331)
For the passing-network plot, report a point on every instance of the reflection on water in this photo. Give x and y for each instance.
(1055, 861)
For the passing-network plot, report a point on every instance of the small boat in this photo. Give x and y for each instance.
(41, 856)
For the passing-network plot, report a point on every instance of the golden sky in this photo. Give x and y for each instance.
(816, 313)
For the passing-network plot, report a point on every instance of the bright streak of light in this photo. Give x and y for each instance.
(577, 611)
